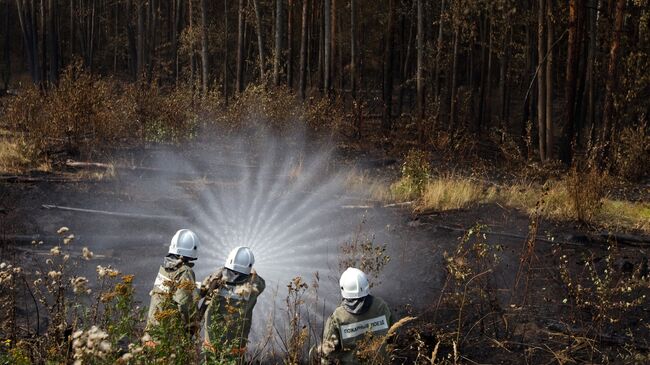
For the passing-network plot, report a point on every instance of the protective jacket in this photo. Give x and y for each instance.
(175, 274)
(229, 301)
(351, 324)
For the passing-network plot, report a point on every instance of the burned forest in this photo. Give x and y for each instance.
(324, 181)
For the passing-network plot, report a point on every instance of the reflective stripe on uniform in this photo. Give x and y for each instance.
(160, 283)
(359, 328)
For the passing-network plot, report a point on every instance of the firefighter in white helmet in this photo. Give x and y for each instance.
(230, 295)
(359, 317)
(176, 281)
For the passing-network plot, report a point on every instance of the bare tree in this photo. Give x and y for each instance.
(290, 43)
(53, 42)
(6, 48)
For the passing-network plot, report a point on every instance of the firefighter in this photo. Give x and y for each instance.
(360, 317)
(230, 295)
(176, 274)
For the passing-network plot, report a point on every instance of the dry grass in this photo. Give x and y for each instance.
(16, 156)
(448, 193)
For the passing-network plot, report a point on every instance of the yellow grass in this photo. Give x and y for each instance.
(447, 193)
(14, 156)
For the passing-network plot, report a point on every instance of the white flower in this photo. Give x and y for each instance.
(54, 274)
(63, 230)
(55, 251)
(86, 253)
(67, 240)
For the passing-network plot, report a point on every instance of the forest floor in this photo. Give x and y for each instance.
(523, 312)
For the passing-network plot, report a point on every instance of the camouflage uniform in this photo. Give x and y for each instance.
(229, 299)
(180, 275)
(344, 330)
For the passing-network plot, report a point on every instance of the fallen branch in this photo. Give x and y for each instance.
(557, 327)
(114, 214)
(34, 179)
(510, 235)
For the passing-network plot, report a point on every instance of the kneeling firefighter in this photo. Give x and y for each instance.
(230, 295)
(176, 274)
(360, 315)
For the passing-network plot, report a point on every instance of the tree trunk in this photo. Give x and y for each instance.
(332, 73)
(327, 46)
(452, 90)
(225, 52)
(388, 70)
(353, 50)
(541, 79)
(610, 83)
(571, 81)
(436, 76)
(290, 44)
(6, 48)
(204, 48)
(53, 43)
(420, 55)
(277, 60)
(240, 47)
(27, 27)
(260, 43)
(591, 58)
(141, 35)
(549, 82)
(133, 49)
(303, 50)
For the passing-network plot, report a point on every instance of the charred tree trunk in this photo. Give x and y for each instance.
(454, 71)
(327, 46)
(571, 81)
(541, 79)
(610, 83)
(290, 44)
(387, 121)
(141, 34)
(53, 42)
(549, 82)
(260, 42)
(6, 48)
(204, 48)
(353, 50)
(133, 49)
(225, 52)
(591, 59)
(436, 75)
(419, 81)
(303, 51)
(240, 47)
(28, 29)
(277, 60)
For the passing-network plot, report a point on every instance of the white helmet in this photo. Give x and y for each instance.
(354, 284)
(185, 243)
(240, 259)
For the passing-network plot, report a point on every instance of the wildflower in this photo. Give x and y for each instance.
(127, 357)
(17, 270)
(54, 274)
(55, 251)
(86, 253)
(79, 284)
(38, 282)
(49, 262)
(68, 240)
(2, 266)
(63, 230)
(66, 257)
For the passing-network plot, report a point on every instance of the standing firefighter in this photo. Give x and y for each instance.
(176, 283)
(355, 331)
(230, 296)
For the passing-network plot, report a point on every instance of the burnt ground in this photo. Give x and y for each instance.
(530, 324)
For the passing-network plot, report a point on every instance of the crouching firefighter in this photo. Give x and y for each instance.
(359, 322)
(230, 295)
(175, 285)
